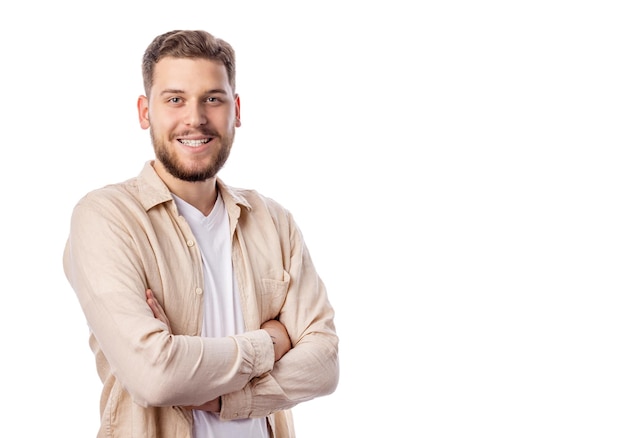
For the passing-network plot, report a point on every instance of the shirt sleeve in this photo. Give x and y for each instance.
(157, 368)
(311, 368)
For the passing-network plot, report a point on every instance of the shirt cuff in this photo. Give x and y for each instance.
(263, 352)
(238, 404)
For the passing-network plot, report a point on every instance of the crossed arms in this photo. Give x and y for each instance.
(277, 331)
(114, 254)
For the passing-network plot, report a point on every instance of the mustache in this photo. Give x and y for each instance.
(206, 132)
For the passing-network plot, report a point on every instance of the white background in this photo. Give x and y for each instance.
(457, 168)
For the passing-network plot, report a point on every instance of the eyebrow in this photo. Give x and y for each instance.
(176, 91)
(172, 91)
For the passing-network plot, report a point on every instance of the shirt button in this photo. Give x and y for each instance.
(198, 291)
(190, 243)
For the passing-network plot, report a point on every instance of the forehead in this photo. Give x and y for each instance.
(189, 74)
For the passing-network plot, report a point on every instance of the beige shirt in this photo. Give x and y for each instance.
(127, 237)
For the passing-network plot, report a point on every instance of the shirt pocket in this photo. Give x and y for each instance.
(273, 295)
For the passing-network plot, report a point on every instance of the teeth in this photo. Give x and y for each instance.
(194, 143)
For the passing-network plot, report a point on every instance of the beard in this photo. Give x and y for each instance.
(197, 172)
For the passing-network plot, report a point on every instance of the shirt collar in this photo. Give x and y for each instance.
(153, 191)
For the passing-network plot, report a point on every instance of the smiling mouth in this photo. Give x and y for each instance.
(194, 143)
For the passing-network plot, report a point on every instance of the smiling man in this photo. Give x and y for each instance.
(192, 122)
(206, 315)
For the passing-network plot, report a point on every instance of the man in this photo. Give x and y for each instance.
(206, 315)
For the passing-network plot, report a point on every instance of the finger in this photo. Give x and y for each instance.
(154, 305)
(157, 310)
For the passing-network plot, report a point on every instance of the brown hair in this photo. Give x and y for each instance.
(187, 44)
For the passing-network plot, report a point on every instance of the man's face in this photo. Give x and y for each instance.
(192, 113)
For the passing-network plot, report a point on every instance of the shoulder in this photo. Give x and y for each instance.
(142, 192)
(114, 206)
(111, 196)
(251, 199)
(256, 206)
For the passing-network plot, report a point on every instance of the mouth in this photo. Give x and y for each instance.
(194, 143)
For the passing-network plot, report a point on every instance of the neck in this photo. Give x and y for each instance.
(201, 195)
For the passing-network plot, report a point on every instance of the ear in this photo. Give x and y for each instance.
(143, 111)
(237, 111)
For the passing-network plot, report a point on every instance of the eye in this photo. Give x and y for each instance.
(175, 100)
(211, 99)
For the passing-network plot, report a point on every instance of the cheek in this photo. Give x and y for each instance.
(163, 123)
(227, 120)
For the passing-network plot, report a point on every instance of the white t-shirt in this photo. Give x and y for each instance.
(222, 309)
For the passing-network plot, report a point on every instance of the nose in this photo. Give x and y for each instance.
(195, 115)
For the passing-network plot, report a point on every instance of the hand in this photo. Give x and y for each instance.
(280, 337)
(157, 310)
